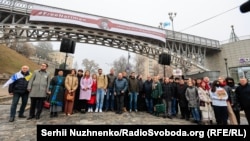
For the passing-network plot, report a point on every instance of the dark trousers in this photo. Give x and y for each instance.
(141, 103)
(77, 103)
(15, 100)
(185, 112)
(84, 104)
(36, 106)
(237, 115)
(120, 102)
(247, 114)
(221, 114)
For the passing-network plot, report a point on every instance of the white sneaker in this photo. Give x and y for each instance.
(100, 110)
(91, 110)
(96, 110)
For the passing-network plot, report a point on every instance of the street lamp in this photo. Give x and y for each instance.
(226, 65)
(171, 17)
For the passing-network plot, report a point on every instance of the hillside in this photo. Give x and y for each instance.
(11, 61)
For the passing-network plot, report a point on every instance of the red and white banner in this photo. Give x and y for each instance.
(49, 14)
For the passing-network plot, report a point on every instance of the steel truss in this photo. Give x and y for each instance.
(16, 27)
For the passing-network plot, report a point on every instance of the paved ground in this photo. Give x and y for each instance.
(24, 130)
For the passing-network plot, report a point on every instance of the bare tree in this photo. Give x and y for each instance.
(90, 65)
(139, 64)
(169, 71)
(43, 49)
(156, 69)
(28, 49)
(120, 65)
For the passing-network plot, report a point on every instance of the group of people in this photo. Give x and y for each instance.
(221, 100)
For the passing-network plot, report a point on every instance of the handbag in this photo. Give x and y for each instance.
(46, 103)
(202, 103)
(69, 97)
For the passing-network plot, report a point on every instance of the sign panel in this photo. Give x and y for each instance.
(48, 14)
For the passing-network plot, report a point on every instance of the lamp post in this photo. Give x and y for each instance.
(225, 59)
(171, 17)
(164, 71)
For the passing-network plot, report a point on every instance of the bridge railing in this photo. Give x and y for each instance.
(26, 7)
(18, 6)
(192, 39)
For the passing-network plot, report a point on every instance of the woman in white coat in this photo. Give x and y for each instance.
(85, 90)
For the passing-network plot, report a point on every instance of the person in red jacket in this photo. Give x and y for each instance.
(92, 101)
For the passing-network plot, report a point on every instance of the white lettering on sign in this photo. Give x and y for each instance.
(15, 4)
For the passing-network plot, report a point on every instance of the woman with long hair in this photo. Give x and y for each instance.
(92, 100)
(71, 84)
(205, 104)
(219, 98)
(85, 91)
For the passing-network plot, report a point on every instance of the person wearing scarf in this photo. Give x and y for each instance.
(18, 88)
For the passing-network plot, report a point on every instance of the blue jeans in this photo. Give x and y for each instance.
(110, 98)
(173, 106)
(99, 98)
(196, 113)
(133, 100)
(149, 104)
(15, 100)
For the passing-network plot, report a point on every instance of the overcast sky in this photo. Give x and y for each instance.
(218, 16)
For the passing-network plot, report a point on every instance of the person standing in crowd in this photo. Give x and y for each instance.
(175, 105)
(219, 98)
(141, 98)
(231, 115)
(243, 96)
(102, 83)
(193, 101)
(207, 81)
(120, 86)
(38, 87)
(205, 104)
(126, 97)
(167, 95)
(233, 104)
(71, 84)
(18, 89)
(181, 98)
(57, 90)
(110, 97)
(156, 92)
(92, 101)
(77, 105)
(133, 89)
(147, 90)
(85, 91)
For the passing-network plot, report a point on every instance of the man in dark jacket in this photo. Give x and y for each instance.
(230, 88)
(243, 95)
(168, 95)
(120, 87)
(147, 90)
(133, 89)
(18, 88)
(183, 103)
